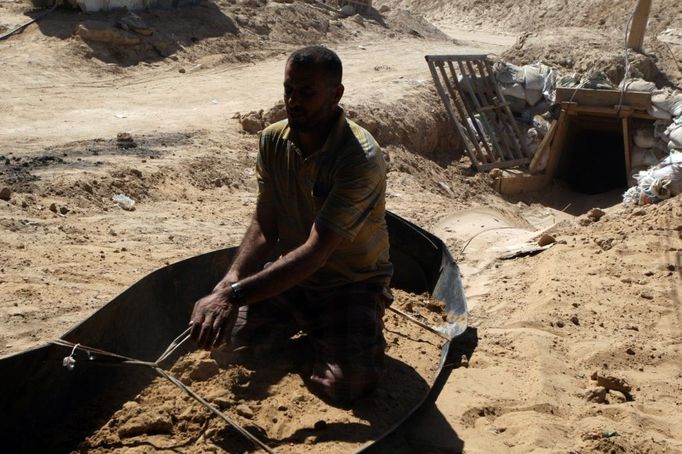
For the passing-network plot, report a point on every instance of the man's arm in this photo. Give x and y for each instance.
(292, 268)
(212, 312)
(259, 240)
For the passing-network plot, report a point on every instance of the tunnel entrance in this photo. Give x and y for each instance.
(593, 158)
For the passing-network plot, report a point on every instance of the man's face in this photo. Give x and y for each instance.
(310, 97)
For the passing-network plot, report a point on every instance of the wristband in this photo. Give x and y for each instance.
(237, 293)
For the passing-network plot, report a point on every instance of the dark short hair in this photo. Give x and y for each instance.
(321, 57)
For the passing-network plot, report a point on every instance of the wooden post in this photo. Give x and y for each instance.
(638, 26)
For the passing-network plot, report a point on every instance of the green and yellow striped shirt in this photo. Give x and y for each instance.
(342, 187)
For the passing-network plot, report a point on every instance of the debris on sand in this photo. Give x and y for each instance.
(125, 140)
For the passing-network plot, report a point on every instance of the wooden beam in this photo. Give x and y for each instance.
(542, 150)
(638, 26)
(626, 149)
(640, 100)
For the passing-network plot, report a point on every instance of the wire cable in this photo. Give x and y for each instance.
(21, 28)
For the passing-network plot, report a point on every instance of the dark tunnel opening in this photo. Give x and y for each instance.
(593, 160)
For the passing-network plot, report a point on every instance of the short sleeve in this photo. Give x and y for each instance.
(359, 186)
(263, 176)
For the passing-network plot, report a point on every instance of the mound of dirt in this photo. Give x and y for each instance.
(209, 34)
(270, 398)
(570, 35)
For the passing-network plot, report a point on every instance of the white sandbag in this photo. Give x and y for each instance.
(533, 96)
(644, 138)
(514, 90)
(670, 169)
(642, 157)
(660, 127)
(506, 73)
(674, 133)
(668, 100)
(659, 113)
(637, 85)
(534, 76)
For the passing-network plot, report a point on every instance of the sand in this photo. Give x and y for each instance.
(605, 298)
(270, 398)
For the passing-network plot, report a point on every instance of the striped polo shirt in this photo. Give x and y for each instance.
(341, 187)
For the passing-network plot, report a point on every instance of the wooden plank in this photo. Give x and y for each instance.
(638, 26)
(640, 100)
(499, 151)
(491, 107)
(615, 111)
(499, 107)
(543, 149)
(495, 120)
(505, 164)
(514, 126)
(557, 145)
(627, 148)
(474, 122)
(504, 115)
(463, 133)
(455, 57)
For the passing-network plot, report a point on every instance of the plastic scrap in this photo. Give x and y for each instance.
(124, 202)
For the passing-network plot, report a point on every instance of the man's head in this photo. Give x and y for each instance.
(312, 87)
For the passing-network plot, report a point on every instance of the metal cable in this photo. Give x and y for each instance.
(70, 362)
(21, 28)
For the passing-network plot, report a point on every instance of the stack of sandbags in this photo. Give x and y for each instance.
(526, 87)
(674, 135)
(643, 153)
(637, 85)
(666, 104)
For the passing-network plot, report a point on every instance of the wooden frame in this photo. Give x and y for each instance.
(468, 88)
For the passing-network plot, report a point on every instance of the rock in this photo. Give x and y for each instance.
(63, 210)
(560, 324)
(104, 33)
(146, 424)
(575, 320)
(205, 369)
(646, 294)
(252, 122)
(245, 411)
(125, 140)
(612, 383)
(277, 113)
(24, 204)
(384, 9)
(584, 221)
(5, 194)
(282, 408)
(596, 395)
(133, 22)
(630, 351)
(53, 207)
(347, 10)
(595, 214)
(545, 240)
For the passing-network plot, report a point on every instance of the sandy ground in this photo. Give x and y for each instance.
(604, 299)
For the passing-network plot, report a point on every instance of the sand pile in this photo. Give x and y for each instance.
(270, 398)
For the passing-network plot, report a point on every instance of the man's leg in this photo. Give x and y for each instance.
(346, 327)
(264, 326)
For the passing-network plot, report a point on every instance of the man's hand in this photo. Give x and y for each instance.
(213, 316)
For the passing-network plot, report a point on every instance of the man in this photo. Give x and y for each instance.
(321, 187)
